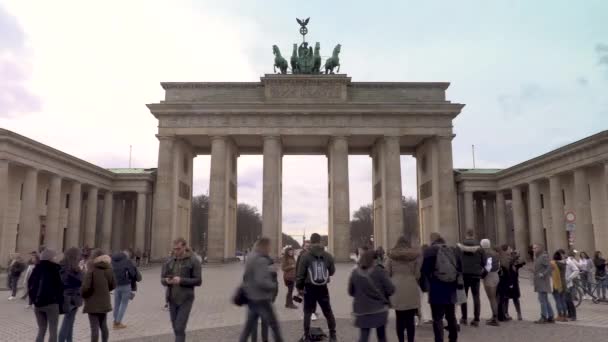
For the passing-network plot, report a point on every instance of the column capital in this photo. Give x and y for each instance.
(218, 137)
(271, 137)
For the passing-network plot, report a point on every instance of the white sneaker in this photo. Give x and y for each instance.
(11, 298)
(313, 316)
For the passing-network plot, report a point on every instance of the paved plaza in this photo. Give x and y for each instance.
(214, 318)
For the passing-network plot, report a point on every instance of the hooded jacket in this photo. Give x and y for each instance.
(371, 290)
(260, 278)
(439, 292)
(124, 270)
(188, 268)
(316, 251)
(403, 267)
(473, 258)
(97, 284)
(44, 285)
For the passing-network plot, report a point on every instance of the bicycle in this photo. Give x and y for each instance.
(580, 290)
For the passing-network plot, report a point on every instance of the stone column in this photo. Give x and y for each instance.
(164, 197)
(53, 237)
(584, 238)
(519, 222)
(271, 202)
(393, 203)
(218, 183)
(118, 224)
(91, 219)
(73, 231)
(501, 223)
(535, 214)
(559, 238)
(469, 213)
(140, 222)
(480, 219)
(106, 230)
(29, 227)
(7, 237)
(448, 218)
(490, 216)
(339, 214)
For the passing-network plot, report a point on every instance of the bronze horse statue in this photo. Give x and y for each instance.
(279, 61)
(333, 61)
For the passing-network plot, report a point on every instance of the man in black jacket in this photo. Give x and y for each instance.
(314, 270)
(472, 265)
(125, 274)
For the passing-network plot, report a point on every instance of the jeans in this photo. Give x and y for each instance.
(179, 318)
(560, 303)
(99, 322)
(314, 294)
(601, 287)
(289, 298)
(405, 321)
(380, 334)
(473, 284)
(256, 310)
(47, 316)
(67, 326)
(12, 285)
(546, 311)
(439, 311)
(570, 308)
(122, 295)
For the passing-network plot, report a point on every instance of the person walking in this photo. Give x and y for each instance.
(288, 266)
(181, 273)
(371, 288)
(313, 273)
(600, 275)
(442, 268)
(125, 274)
(473, 262)
(403, 267)
(15, 269)
(542, 283)
(34, 260)
(260, 287)
(71, 277)
(572, 276)
(96, 287)
(491, 279)
(46, 289)
(558, 277)
(514, 292)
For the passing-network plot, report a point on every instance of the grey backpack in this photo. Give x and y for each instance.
(445, 265)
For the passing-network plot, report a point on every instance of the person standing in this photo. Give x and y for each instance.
(312, 276)
(288, 266)
(181, 273)
(403, 267)
(34, 260)
(46, 289)
(260, 286)
(600, 275)
(96, 287)
(442, 268)
(371, 288)
(71, 277)
(125, 274)
(473, 262)
(542, 283)
(504, 282)
(15, 268)
(514, 292)
(585, 266)
(572, 275)
(558, 277)
(491, 279)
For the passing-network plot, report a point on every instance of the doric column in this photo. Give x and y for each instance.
(164, 197)
(559, 238)
(7, 235)
(501, 223)
(339, 214)
(535, 215)
(91, 219)
(490, 216)
(53, 236)
(448, 218)
(585, 238)
(119, 223)
(271, 202)
(140, 222)
(519, 222)
(73, 233)
(106, 231)
(469, 212)
(218, 183)
(29, 227)
(480, 219)
(393, 203)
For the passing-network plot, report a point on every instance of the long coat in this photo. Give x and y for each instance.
(542, 273)
(403, 266)
(96, 287)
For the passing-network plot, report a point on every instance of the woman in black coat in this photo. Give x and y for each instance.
(46, 290)
(71, 276)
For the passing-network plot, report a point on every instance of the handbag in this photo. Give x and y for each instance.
(240, 297)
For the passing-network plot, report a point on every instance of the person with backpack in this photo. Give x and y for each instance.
(313, 274)
(125, 273)
(371, 288)
(490, 279)
(473, 259)
(46, 288)
(442, 269)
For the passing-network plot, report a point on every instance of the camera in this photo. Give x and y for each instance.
(297, 299)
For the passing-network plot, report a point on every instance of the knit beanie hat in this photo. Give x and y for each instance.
(485, 243)
(48, 254)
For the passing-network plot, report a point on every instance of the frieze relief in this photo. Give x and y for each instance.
(311, 89)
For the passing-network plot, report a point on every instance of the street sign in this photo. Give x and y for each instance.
(570, 217)
(570, 227)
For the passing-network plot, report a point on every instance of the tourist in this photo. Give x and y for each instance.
(181, 273)
(46, 289)
(572, 275)
(371, 288)
(137, 257)
(424, 299)
(71, 277)
(126, 275)
(473, 262)
(600, 275)
(558, 274)
(585, 266)
(380, 255)
(442, 268)
(34, 260)
(504, 282)
(542, 283)
(305, 249)
(403, 267)
(490, 279)
(288, 265)
(15, 268)
(96, 286)
(514, 292)
(314, 271)
(261, 287)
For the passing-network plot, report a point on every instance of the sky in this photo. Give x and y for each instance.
(76, 75)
